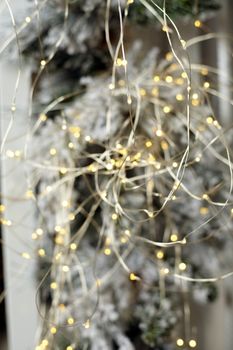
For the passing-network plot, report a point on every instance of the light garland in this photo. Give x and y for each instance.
(133, 159)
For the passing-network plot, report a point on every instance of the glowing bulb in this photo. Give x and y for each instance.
(73, 246)
(164, 145)
(169, 79)
(155, 92)
(209, 120)
(65, 268)
(148, 144)
(42, 63)
(26, 256)
(45, 342)
(27, 19)
(174, 237)
(164, 271)
(63, 171)
(114, 216)
(71, 216)
(142, 92)
(206, 85)
(70, 145)
(2, 208)
(133, 277)
(53, 151)
(184, 75)
(111, 86)
(41, 252)
(53, 285)
(197, 23)
(53, 330)
(180, 97)
(159, 133)
(179, 342)
(65, 204)
(160, 255)
(70, 321)
(156, 78)
(167, 109)
(69, 347)
(182, 266)
(107, 251)
(192, 343)
(205, 196)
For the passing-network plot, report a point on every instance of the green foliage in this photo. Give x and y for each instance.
(174, 8)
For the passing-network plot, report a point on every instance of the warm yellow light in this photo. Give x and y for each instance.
(192, 343)
(63, 171)
(111, 86)
(73, 246)
(69, 347)
(142, 92)
(26, 256)
(164, 271)
(209, 120)
(2, 208)
(184, 75)
(53, 151)
(205, 196)
(70, 321)
(160, 255)
(114, 216)
(167, 109)
(180, 97)
(65, 268)
(107, 251)
(45, 342)
(204, 210)
(197, 23)
(174, 237)
(159, 132)
(53, 330)
(179, 342)
(65, 204)
(164, 145)
(148, 143)
(206, 85)
(169, 79)
(27, 19)
(41, 252)
(71, 145)
(42, 63)
(182, 266)
(53, 285)
(156, 78)
(43, 117)
(133, 277)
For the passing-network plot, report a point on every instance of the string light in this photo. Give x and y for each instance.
(179, 342)
(174, 237)
(198, 23)
(160, 255)
(192, 343)
(53, 330)
(70, 321)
